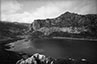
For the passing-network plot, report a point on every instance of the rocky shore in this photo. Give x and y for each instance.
(42, 59)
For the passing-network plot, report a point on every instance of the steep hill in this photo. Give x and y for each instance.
(68, 25)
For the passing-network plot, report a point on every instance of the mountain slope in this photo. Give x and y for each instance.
(12, 29)
(75, 25)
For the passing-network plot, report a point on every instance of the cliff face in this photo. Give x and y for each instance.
(68, 22)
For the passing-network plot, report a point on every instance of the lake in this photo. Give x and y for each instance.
(60, 48)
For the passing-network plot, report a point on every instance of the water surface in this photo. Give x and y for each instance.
(58, 48)
(68, 48)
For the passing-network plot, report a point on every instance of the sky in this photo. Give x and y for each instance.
(26, 11)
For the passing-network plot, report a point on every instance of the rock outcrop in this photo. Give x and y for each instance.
(35, 59)
(42, 59)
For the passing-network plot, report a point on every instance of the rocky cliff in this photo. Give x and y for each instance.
(71, 23)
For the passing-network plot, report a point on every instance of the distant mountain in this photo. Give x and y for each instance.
(68, 25)
(12, 29)
(42, 59)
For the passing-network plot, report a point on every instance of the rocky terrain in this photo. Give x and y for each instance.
(67, 25)
(42, 59)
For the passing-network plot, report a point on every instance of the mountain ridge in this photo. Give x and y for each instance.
(68, 23)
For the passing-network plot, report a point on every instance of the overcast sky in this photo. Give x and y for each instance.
(28, 10)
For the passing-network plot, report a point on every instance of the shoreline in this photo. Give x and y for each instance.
(74, 38)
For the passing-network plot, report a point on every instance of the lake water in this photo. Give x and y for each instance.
(60, 48)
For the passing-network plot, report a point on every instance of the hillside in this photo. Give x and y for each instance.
(67, 25)
(10, 30)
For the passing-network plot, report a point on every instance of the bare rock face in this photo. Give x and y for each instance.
(66, 20)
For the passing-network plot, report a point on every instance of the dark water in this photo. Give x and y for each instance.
(60, 48)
